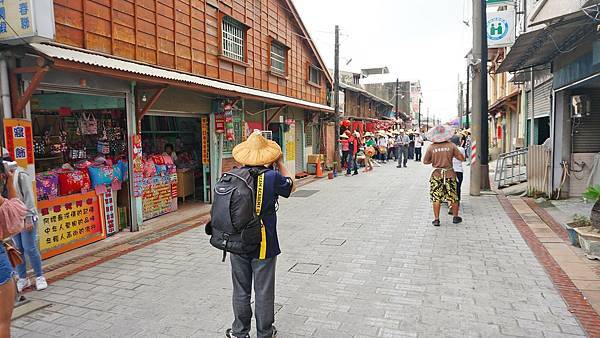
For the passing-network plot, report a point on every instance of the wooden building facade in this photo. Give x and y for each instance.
(187, 36)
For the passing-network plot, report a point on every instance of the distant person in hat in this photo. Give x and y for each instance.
(382, 144)
(392, 151)
(411, 145)
(442, 181)
(258, 269)
(370, 151)
(402, 142)
(353, 145)
(418, 146)
(345, 147)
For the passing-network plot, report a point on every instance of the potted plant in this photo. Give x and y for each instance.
(589, 236)
(577, 222)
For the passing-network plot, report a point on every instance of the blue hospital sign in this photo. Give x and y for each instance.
(497, 29)
(500, 29)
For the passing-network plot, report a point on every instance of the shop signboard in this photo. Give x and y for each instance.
(25, 21)
(205, 146)
(501, 29)
(69, 222)
(138, 167)
(157, 197)
(19, 142)
(220, 123)
(109, 212)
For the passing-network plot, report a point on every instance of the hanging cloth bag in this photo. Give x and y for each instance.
(89, 125)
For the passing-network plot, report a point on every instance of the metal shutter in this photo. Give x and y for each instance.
(587, 135)
(542, 100)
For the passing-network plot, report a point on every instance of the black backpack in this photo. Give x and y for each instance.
(235, 226)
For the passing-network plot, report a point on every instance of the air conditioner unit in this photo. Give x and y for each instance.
(267, 134)
(581, 105)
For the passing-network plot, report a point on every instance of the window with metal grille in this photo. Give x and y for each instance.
(278, 56)
(314, 75)
(308, 132)
(233, 44)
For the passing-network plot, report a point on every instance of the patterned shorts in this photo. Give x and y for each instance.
(441, 191)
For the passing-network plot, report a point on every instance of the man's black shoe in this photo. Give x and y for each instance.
(398, 166)
(436, 223)
(228, 334)
(456, 219)
(354, 174)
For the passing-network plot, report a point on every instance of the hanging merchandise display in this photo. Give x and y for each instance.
(80, 160)
(172, 164)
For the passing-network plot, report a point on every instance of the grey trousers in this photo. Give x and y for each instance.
(243, 272)
(402, 155)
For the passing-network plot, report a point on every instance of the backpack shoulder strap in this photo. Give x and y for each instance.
(260, 187)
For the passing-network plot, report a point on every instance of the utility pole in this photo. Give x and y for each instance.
(461, 103)
(485, 170)
(336, 97)
(397, 97)
(419, 118)
(479, 169)
(468, 96)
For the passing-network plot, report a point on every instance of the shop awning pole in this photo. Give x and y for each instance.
(33, 84)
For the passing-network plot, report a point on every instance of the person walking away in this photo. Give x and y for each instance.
(442, 182)
(418, 146)
(12, 213)
(382, 144)
(352, 151)
(258, 267)
(411, 146)
(344, 145)
(402, 144)
(370, 146)
(27, 241)
(458, 167)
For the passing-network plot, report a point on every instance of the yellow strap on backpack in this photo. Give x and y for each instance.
(260, 187)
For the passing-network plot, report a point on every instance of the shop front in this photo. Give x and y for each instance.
(174, 136)
(79, 140)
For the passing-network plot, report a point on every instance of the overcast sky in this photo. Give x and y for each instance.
(417, 40)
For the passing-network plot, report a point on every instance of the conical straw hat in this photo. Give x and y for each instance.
(256, 150)
(440, 134)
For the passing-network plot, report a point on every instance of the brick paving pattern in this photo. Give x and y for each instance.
(360, 259)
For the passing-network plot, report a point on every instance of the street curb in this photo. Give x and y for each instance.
(576, 302)
(547, 218)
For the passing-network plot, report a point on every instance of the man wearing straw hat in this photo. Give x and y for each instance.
(259, 266)
(443, 178)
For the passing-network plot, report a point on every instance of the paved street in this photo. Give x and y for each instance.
(360, 258)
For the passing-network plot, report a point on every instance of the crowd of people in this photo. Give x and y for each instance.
(391, 146)
(448, 150)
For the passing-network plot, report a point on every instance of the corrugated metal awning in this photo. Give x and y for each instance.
(98, 60)
(543, 45)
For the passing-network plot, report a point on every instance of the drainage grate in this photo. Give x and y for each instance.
(353, 225)
(304, 193)
(333, 242)
(305, 268)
